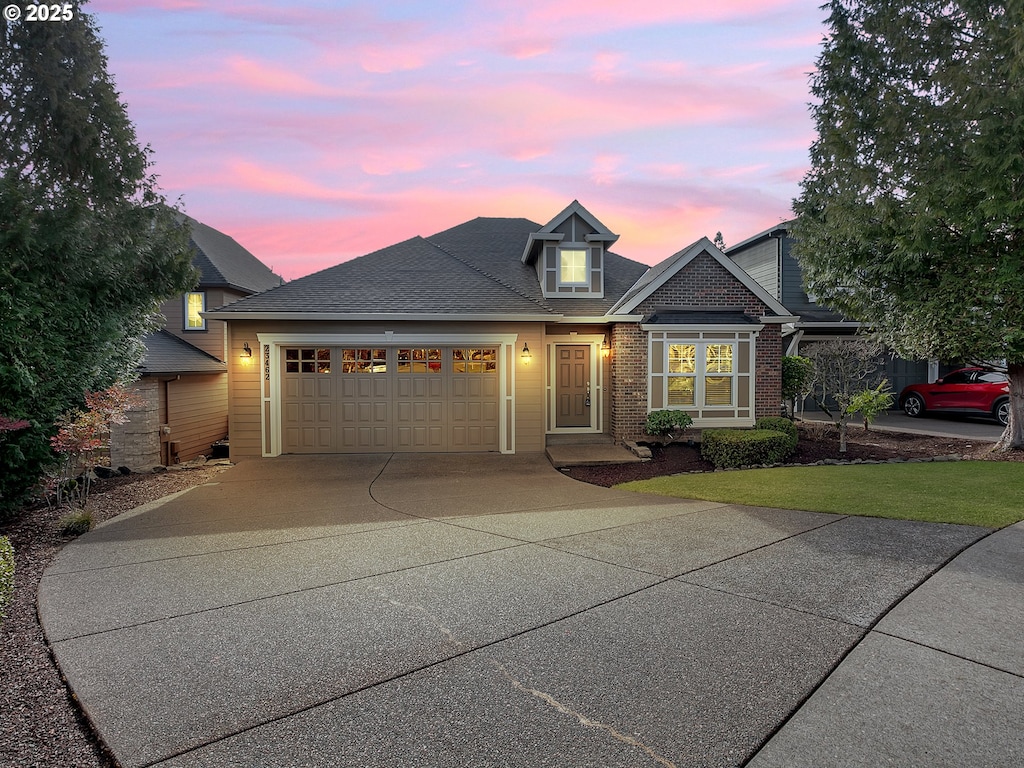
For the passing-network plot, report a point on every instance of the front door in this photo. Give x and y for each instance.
(572, 385)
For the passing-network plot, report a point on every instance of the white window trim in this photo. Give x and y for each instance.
(711, 416)
(585, 282)
(700, 374)
(184, 320)
(272, 343)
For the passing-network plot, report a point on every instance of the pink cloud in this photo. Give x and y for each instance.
(652, 226)
(348, 130)
(126, 6)
(606, 14)
(249, 176)
(526, 49)
(605, 169)
(246, 72)
(387, 58)
(737, 171)
(527, 154)
(605, 68)
(387, 163)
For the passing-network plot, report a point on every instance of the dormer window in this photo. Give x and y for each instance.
(569, 254)
(572, 266)
(195, 303)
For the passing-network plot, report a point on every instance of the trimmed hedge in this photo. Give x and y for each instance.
(6, 574)
(779, 424)
(730, 448)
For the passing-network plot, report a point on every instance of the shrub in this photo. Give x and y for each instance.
(76, 523)
(871, 402)
(6, 574)
(797, 373)
(779, 424)
(670, 424)
(726, 448)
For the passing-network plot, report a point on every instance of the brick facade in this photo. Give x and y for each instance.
(701, 284)
(629, 381)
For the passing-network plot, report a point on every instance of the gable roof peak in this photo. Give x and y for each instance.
(575, 207)
(662, 272)
(224, 263)
(547, 233)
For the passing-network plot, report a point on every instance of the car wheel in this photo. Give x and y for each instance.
(1002, 412)
(913, 405)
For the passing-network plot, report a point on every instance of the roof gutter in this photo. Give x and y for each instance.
(382, 316)
(781, 319)
(599, 319)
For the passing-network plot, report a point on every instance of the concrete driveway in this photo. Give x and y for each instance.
(485, 610)
(976, 428)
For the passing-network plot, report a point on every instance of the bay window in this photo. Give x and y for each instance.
(708, 374)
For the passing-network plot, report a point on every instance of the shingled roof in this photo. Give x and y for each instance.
(473, 269)
(223, 263)
(166, 354)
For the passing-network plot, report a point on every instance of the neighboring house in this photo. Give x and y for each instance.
(183, 378)
(493, 335)
(767, 258)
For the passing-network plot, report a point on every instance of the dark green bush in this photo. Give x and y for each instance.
(779, 424)
(668, 424)
(6, 574)
(727, 448)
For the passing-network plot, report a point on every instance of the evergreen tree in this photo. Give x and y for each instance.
(911, 218)
(88, 246)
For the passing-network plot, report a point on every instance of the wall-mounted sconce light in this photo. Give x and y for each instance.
(246, 355)
(526, 356)
(606, 348)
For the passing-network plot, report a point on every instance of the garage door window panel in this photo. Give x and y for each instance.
(419, 360)
(307, 360)
(364, 360)
(474, 360)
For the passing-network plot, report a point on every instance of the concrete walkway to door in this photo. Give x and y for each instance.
(485, 610)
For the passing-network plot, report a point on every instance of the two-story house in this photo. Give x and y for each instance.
(767, 257)
(495, 335)
(183, 382)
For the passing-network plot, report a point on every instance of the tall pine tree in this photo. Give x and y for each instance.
(88, 245)
(911, 217)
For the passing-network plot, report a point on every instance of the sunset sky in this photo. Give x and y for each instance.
(314, 131)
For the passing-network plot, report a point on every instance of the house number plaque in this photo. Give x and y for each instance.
(266, 362)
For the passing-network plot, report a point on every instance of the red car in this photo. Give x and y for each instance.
(968, 391)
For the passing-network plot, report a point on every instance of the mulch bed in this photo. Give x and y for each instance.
(816, 444)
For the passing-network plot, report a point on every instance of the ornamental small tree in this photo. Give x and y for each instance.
(82, 439)
(842, 368)
(869, 403)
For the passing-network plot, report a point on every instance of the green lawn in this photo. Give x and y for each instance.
(985, 493)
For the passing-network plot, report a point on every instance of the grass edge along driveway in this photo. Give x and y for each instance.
(983, 493)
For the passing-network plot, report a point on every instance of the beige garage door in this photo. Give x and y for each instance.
(385, 399)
